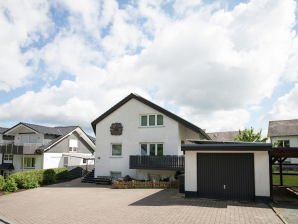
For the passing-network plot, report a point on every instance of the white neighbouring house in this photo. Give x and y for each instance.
(284, 133)
(139, 138)
(29, 146)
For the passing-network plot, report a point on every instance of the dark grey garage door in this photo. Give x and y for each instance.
(226, 175)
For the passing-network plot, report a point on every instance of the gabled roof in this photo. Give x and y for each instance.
(2, 130)
(59, 132)
(38, 128)
(283, 128)
(152, 105)
(223, 135)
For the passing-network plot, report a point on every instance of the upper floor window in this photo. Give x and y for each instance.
(152, 149)
(8, 157)
(151, 120)
(116, 150)
(283, 143)
(73, 145)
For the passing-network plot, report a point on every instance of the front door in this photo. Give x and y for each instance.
(226, 175)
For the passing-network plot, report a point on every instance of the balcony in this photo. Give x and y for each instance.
(173, 162)
(19, 149)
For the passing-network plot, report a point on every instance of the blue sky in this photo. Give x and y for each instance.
(223, 65)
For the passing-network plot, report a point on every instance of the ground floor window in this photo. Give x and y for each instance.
(116, 149)
(151, 149)
(84, 161)
(29, 162)
(115, 175)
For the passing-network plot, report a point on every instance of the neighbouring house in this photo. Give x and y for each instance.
(30, 146)
(225, 170)
(226, 136)
(141, 139)
(284, 133)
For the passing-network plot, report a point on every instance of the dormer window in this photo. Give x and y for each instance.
(151, 120)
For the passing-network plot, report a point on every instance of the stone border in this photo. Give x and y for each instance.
(280, 216)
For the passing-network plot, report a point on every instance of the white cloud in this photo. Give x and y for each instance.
(209, 63)
(286, 107)
(22, 23)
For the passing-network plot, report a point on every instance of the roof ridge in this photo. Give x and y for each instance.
(296, 119)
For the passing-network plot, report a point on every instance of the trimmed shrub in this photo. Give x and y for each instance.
(61, 173)
(30, 182)
(35, 178)
(10, 185)
(49, 176)
(2, 182)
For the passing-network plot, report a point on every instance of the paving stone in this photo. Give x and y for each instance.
(75, 202)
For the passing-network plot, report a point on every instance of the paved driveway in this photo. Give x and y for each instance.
(73, 202)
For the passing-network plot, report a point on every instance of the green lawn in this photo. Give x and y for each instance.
(288, 180)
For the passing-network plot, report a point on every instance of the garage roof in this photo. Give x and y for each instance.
(210, 145)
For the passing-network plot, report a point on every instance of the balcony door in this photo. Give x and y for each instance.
(151, 149)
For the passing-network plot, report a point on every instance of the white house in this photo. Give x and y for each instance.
(284, 133)
(233, 171)
(139, 138)
(33, 146)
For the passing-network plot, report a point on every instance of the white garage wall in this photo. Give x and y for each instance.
(261, 164)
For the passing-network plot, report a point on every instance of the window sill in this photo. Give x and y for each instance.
(157, 126)
(29, 168)
(116, 156)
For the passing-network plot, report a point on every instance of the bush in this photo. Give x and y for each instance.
(30, 182)
(49, 176)
(2, 182)
(34, 178)
(10, 185)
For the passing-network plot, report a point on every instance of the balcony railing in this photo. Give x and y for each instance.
(173, 162)
(19, 149)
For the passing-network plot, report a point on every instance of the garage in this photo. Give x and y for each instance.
(227, 170)
(226, 176)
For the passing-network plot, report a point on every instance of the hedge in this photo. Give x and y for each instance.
(34, 178)
(2, 182)
(10, 185)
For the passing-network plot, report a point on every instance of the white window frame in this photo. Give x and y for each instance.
(73, 149)
(283, 142)
(116, 156)
(30, 167)
(116, 172)
(148, 147)
(155, 119)
(9, 157)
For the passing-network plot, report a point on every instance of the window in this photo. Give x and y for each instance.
(159, 149)
(116, 149)
(155, 149)
(29, 162)
(159, 119)
(8, 157)
(143, 120)
(65, 161)
(151, 120)
(84, 161)
(143, 149)
(152, 149)
(284, 143)
(115, 175)
(73, 145)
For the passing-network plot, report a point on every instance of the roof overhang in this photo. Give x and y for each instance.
(80, 132)
(155, 107)
(12, 131)
(230, 146)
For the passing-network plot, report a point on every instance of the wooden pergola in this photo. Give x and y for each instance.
(279, 155)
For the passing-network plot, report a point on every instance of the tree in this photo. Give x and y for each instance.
(248, 135)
